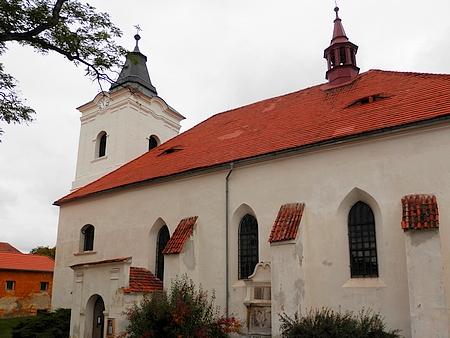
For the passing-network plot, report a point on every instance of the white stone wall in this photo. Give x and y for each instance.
(375, 170)
(427, 293)
(106, 281)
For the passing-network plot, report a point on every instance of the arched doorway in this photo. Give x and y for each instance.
(98, 318)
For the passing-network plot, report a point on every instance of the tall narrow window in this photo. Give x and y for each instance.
(362, 241)
(102, 145)
(163, 238)
(87, 233)
(248, 246)
(152, 142)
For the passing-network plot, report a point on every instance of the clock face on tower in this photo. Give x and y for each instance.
(103, 103)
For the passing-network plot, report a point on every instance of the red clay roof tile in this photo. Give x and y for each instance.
(306, 118)
(287, 222)
(419, 212)
(142, 280)
(6, 247)
(179, 237)
(14, 261)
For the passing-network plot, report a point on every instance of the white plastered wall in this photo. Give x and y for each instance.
(129, 119)
(378, 170)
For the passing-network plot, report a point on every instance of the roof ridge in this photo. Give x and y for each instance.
(311, 117)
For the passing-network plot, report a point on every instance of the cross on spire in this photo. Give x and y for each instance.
(137, 37)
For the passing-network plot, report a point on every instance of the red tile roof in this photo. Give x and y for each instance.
(419, 212)
(287, 222)
(14, 261)
(6, 247)
(374, 101)
(179, 237)
(142, 280)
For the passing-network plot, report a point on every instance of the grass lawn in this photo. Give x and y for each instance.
(6, 325)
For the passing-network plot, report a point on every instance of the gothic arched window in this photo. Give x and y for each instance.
(248, 246)
(362, 241)
(87, 236)
(163, 238)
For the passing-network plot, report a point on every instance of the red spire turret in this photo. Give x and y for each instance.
(341, 55)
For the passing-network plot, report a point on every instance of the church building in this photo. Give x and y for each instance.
(332, 196)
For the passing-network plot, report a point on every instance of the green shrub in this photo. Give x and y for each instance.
(44, 325)
(326, 323)
(183, 312)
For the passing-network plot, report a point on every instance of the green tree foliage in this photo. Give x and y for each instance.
(44, 251)
(184, 312)
(326, 323)
(68, 27)
(53, 324)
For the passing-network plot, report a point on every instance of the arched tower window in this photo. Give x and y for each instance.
(163, 238)
(248, 246)
(152, 142)
(100, 146)
(362, 241)
(87, 237)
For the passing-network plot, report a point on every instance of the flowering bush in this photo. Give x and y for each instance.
(184, 312)
(326, 323)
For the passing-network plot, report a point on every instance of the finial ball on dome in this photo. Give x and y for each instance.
(137, 37)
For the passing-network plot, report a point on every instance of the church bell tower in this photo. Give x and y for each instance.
(123, 123)
(340, 55)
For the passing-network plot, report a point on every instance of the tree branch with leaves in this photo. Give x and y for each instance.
(74, 30)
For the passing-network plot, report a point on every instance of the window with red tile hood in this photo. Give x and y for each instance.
(362, 241)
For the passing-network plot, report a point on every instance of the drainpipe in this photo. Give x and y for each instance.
(227, 264)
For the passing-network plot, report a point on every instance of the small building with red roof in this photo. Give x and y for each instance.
(26, 281)
(331, 196)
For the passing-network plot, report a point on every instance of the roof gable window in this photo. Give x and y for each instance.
(368, 99)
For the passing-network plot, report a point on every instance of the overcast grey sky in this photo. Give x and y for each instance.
(204, 57)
